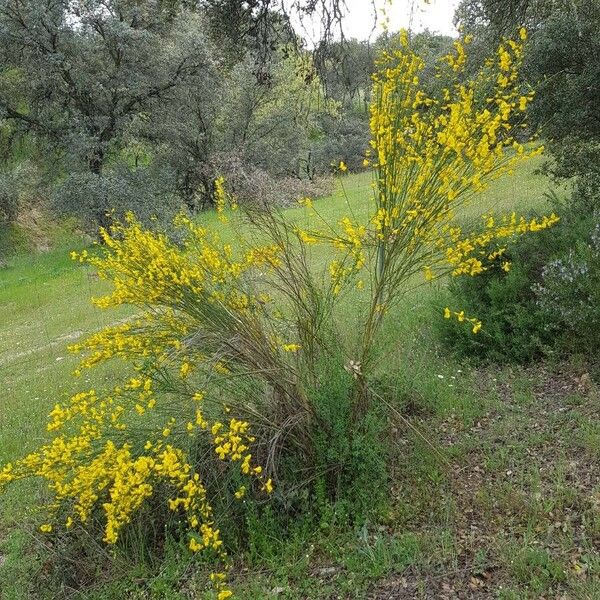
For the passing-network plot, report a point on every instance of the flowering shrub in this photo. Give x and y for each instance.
(228, 343)
(547, 303)
(505, 302)
(430, 156)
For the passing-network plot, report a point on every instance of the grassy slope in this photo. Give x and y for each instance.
(512, 517)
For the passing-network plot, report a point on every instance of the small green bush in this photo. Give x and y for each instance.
(96, 199)
(512, 323)
(549, 301)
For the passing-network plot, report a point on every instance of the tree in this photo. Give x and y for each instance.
(562, 64)
(497, 18)
(345, 70)
(86, 69)
(262, 115)
(273, 111)
(239, 20)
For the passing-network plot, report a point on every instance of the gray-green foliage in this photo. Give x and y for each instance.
(259, 118)
(9, 198)
(345, 138)
(271, 112)
(78, 74)
(98, 198)
(20, 186)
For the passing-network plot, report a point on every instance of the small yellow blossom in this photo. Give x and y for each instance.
(307, 202)
(291, 347)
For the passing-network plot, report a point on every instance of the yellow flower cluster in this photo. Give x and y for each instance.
(98, 459)
(223, 200)
(133, 341)
(146, 268)
(431, 153)
(461, 318)
(85, 468)
(467, 255)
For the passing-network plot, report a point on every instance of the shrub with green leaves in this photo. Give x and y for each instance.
(96, 199)
(505, 304)
(548, 303)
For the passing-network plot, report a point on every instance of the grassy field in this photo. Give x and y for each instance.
(511, 512)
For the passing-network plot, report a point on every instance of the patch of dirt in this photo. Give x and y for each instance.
(514, 455)
(454, 586)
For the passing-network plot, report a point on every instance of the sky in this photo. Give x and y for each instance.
(416, 15)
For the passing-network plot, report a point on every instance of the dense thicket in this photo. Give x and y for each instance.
(128, 105)
(547, 303)
(118, 105)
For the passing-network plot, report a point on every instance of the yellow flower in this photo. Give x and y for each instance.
(305, 202)
(46, 528)
(447, 313)
(343, 168)
(291, 347)
(523, 100)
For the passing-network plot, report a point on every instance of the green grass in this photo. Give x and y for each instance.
(513, 515)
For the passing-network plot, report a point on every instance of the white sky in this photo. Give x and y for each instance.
(416, 15)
